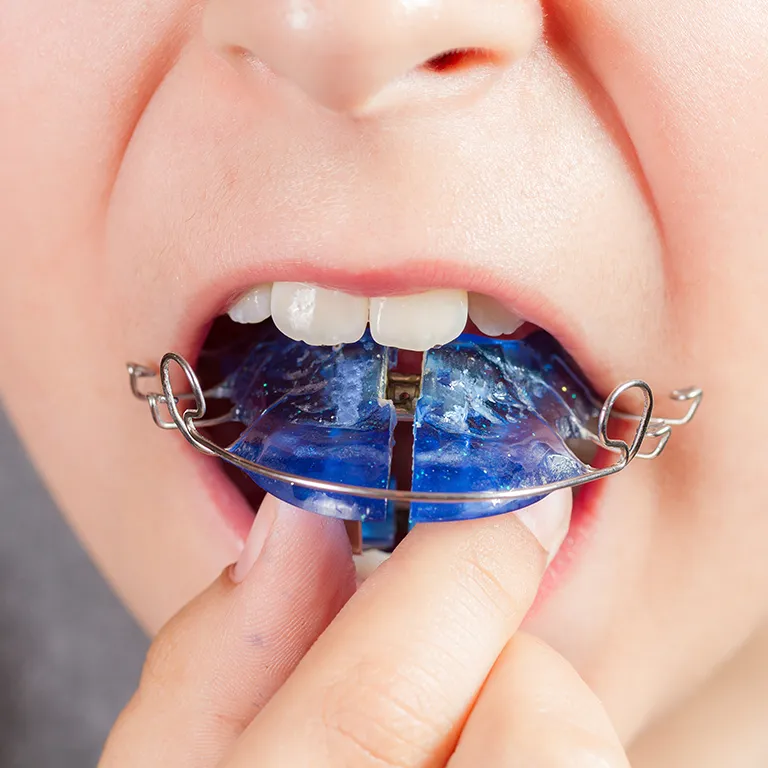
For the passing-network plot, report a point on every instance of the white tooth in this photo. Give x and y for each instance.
(368, 562)
(491, 317)
(419, 322)
(318, 316)
(254, 307)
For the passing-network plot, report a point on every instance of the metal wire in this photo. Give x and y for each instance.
(189, 420)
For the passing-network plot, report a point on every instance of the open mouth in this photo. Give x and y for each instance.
(390, 411)
(441, 391)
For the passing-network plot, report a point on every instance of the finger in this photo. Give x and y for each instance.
(214, 666)
(392, 679)
(536, 712)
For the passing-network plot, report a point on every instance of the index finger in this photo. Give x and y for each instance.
(393, 678)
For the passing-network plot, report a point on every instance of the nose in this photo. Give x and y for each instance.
(347, 54)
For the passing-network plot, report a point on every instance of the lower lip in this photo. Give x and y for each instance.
(235, 510)
(583, 518)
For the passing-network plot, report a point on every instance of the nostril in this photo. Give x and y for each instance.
(459, 59)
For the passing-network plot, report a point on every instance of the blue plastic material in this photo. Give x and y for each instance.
(381, 534)
(317, 412)
(495, 415)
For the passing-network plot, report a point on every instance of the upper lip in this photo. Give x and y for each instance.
(394, 205)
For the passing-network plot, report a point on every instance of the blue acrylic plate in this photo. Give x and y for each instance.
(495, 415)
(317, 412)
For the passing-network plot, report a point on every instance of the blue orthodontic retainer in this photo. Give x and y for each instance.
(496, 424)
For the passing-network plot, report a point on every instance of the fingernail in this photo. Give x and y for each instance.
(257, 538)
(548, 520)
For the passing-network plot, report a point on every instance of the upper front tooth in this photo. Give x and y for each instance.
(318, 316)
(419, 322)
(491, 317)
(321, 316)
(254, 307)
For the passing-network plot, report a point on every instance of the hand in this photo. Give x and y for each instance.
(280, 664)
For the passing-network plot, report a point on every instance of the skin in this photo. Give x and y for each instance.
(603, 173)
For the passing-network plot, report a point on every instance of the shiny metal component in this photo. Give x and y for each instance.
(189, 420)
(692, 395)
(403, 390)
(658, 429)
(137, 372)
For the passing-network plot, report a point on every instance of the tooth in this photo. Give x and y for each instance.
(254, 307)
(368, 562)
(318, 316)
(419, 322)
(491, 317)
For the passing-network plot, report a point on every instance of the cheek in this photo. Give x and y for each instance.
(690, 79)
(71, 92)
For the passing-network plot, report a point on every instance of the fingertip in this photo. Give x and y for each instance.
(254, 543)
(283, 532)
(549, 520)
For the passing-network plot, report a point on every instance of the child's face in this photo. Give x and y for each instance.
(607, 178)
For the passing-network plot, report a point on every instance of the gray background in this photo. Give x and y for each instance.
(69, 653)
